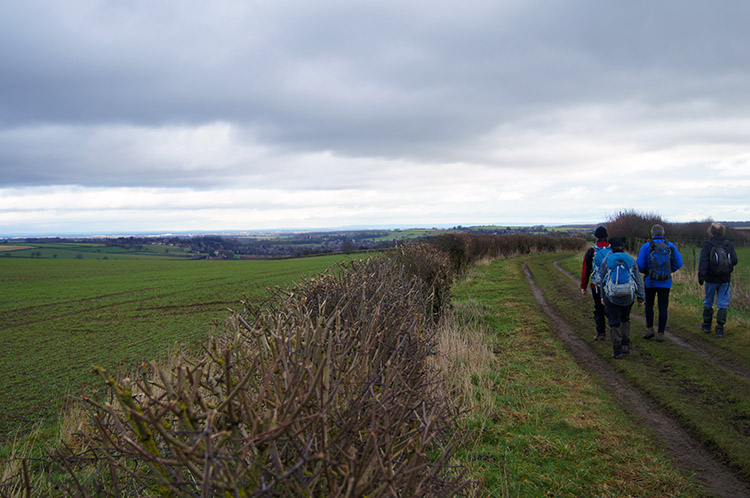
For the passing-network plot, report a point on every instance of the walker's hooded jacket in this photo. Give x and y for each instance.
(704, 273)
(644, 263)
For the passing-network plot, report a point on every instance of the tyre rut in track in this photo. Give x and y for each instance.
(686, 451)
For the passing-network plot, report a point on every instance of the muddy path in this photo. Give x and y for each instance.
(686, 451)
(723, 361)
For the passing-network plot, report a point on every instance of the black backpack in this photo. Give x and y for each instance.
(720, 259)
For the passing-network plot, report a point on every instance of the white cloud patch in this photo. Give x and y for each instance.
(510, 196)
(737, 167)
(574, 193)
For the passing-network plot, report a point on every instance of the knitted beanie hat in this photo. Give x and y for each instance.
(617, 243)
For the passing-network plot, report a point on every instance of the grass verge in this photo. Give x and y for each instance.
(540, 425)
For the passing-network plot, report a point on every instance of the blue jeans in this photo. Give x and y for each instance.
(721, 292)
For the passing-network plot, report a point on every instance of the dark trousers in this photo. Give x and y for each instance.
(618, 316)
(599, 314)
(661, 296)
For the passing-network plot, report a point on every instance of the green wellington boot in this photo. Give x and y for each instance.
(625, 337)
(616, 335)
(721, 319)
(708, 315)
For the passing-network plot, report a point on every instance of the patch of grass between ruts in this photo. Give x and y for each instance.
(547, 427)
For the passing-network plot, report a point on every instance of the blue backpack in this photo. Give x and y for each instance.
(660, 260)
(600, 254)
(619, 281)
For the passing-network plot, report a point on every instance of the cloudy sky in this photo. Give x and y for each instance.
(175, 115)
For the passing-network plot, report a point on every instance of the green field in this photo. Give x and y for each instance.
(408, 234)
(73, 250)
(58, 317)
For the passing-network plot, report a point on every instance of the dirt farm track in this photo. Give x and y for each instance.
(685, 449)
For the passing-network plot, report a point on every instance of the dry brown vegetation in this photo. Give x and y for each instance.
(464, 250)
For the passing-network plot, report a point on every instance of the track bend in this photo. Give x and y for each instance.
(686, 451)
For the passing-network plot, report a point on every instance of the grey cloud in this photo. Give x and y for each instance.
(213, 156)
(415, 80)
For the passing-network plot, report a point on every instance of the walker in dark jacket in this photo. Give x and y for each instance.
(586, 273)
(716, 275)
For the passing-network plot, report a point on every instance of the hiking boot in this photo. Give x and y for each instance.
(599, 337)
(649, 333)
(721, 319)
(708, 314)
(660, 337)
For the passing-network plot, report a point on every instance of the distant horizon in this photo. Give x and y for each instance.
(167, 233)
(178, 233)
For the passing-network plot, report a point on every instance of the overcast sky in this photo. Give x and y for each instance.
(152, 115)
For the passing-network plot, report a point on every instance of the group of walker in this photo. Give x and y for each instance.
(614, 279)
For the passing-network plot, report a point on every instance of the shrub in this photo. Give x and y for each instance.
(327, 391)
(465, 249)
(432, 268)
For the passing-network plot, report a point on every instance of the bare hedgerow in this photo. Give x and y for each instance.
(432, 268)
(327, 391)
(464, 250)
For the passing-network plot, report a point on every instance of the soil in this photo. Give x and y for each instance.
(685, 450)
